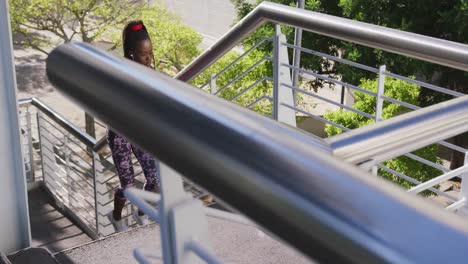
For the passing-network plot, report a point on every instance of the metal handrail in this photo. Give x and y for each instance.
(85, 138)
(64, 123)
(274, 174)
(429, 49)
(402, 134)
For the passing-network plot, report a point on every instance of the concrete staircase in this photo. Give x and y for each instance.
(232, 243)
(56, 240)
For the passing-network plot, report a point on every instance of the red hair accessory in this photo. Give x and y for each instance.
(136, 27)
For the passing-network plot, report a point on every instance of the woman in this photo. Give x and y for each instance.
(137, 47)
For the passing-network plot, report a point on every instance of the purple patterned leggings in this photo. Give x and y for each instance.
(122, 155)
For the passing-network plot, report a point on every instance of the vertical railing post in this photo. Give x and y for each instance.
(282, 75)
(464, 186)
(98, 169)
(47, 148)
(379, 103)
(213, 87)
(182, 219)
(380, 93)
(69, 181)
(297, 52)
(30, 145)
(41, 149)
(15, 232)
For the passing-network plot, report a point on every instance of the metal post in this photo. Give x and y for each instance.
(213, 87)
(282, 75)
(297, 52)
(67, 171)
(171, 194)
(14, 229)
(30, 145)
(380, 93)
(342, 95)
(464, 186)
(182, 219)
(98, 188)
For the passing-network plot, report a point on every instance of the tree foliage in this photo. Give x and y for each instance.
(231, 90)
(42, 24)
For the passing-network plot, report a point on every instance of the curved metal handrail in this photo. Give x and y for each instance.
(429, 49)
(71, 128)
(274, 174)
(402, 134)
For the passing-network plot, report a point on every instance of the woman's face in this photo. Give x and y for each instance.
(144, 53)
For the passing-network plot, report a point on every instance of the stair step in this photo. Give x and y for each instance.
(49, 227)
(4, 259)
(32, 256)
(232, 243)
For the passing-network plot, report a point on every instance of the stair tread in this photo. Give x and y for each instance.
(32, 256)
(49, 227)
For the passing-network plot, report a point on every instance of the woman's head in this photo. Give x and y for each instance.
(137, 43)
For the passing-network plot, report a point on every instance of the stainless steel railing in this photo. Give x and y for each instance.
(382, 97)
(281, 178)
(417, 46)
(76, 169)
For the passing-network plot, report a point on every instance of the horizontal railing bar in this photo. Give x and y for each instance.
(240, 76)
(402, 134)
(333, 58)
(416, 182)
(427, 162)
(417, 46)
(250, 87)
(453, 146)
(329, 101)
(259, 100)
(242, 56)
(258, 152)
(437, 180)
(426, 85)
(64, 123)
(139, 199)
(456, 205)
(316, 117)
(202, 252)
(405, 104)
(321, 76)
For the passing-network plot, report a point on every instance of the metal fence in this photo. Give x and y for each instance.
(278, 98)
(279, 177)
(75, 169)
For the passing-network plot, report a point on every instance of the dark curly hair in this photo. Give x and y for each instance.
(133, 32)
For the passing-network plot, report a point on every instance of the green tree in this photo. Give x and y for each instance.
(230, 91)
(399, 90)
(44, 24)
